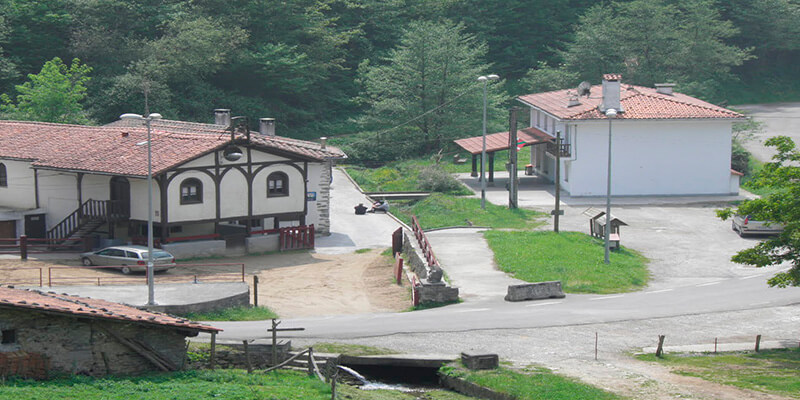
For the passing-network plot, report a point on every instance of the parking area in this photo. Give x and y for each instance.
(681, 236)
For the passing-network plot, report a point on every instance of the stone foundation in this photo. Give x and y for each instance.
(197, 249)
(429, 292)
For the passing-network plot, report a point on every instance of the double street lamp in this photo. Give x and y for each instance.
(485, 80)
(150, 281)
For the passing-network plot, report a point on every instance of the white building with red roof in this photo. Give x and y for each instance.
(664, 143)
(60, 180)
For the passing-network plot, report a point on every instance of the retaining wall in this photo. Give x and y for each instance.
(429, 292)
(201, 248)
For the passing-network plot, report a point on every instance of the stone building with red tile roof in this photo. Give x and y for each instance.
(53, 172)
(42, 333)
(663, 142)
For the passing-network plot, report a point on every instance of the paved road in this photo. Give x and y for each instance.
(779, 119)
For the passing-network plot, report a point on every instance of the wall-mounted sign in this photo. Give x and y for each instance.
(311, 196)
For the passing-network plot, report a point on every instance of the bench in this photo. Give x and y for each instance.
(613, 241)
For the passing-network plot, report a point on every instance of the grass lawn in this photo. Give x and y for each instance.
(239, 313)
(531, 383)
(772, 371)
(438, 211)
(574, 258)
(351, 349)
(402, 177)
(219, 384)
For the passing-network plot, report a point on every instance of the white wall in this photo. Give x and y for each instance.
(233, 192)
(20, 193)
(314, 172)
(139, 199)
(199, 211)
(58, 194)
(653, 158)
(294, 202)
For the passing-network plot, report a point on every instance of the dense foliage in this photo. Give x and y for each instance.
(780, 206)
(331, 67)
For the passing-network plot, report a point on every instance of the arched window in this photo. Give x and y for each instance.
(3, 175)
(191, 191)
(277, 184)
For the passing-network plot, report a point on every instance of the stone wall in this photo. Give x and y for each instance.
(324, 199)
(82, 346)
(429, 292)
(233, 356)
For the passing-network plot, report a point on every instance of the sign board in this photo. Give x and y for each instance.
(311, 196)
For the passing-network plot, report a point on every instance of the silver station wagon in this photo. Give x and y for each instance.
(128, 259)
(745, 225)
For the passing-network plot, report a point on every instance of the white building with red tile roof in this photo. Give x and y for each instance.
(51, 172)
(663, 142)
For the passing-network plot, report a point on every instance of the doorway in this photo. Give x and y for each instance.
(120, 195)
(8, 229)
(34, 226)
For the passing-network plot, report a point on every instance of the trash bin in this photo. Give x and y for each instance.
(529, 169)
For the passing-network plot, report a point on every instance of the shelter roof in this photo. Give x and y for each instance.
(92, 308)
(499, 141)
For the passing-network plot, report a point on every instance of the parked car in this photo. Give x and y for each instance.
(745, 225)
(129, 258)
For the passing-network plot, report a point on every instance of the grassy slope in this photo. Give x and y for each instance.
(574, 258)
(775, 371)
(439, 211)
(532, 383)
(220, 384)
(235, 314)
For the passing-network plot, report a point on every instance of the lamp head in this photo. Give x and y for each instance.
(493, 77)
(131, 116)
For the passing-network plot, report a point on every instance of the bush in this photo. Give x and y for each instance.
(434, 179)
(740, 159)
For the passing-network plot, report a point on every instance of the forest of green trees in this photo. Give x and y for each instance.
(363, 67)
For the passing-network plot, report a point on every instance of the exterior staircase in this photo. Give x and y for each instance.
(90, 216)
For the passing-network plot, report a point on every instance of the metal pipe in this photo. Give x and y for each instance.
(610, 113)
(485, 80)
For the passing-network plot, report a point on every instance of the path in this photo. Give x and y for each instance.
(350, 232)
(469, 263)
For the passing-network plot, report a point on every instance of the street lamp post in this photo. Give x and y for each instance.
(150, 280)
(610, 114)
(485, 80)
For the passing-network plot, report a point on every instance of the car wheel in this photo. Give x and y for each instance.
(125, 270)
(86, 262)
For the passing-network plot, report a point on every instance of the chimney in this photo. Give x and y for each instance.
(573, 100)
(323, 142)
(222, 116)
(665, 88)
(611, 92)
(266, 126)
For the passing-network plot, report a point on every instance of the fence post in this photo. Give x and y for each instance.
(23, 247)
(660, 349)
(255, 290)
(758, 343)
(247, 358)
(49, 276)
(310, 361)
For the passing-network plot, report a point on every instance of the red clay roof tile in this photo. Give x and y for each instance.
(118, 148)
(499, 141)
(94, 308)
(637, 102)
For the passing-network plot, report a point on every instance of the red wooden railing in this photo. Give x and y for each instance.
(427, 251)
(24, 245)
(297, 237)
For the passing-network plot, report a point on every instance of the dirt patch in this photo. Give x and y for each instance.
(336, 284)
(293, 284)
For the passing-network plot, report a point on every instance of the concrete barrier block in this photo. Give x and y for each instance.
(437, 293)
(200, 248)
(480, 361)
(535, 291)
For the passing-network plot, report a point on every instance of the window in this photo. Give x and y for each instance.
(3, 175)
(277, 184)
(191, 191)
(9, 336)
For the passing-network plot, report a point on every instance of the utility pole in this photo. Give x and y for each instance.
(512, 154)
(557, 212)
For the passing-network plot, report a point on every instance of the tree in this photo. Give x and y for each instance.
(652, 41)
(52, 95)
(781, 206)
(428, 81)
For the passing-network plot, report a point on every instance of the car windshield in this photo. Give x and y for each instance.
(158, 254)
